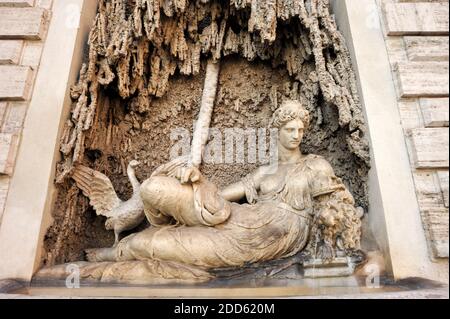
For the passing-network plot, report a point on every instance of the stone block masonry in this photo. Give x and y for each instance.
(417, 42)
(23, 27)
(22, 23)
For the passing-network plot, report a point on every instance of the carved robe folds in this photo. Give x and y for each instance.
(201, 229)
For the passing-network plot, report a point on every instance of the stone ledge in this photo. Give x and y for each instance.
(14, 118)
(329, 288)
(443, 181)
(10, 51)
(7, 286)
(22, 23)
(429, 193)
(417, 18)
(3, 109)
(427, 48)
(15, 82)
(17, 3)
(4, 186)
(430, 147)
(8, 148)
(435, 222)
(422, 79)
(435, 112)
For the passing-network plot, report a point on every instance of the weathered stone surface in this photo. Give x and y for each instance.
(396, 50)
(339, 267)
(435, 112)
(417, 18)
(17, 3)
(443, 180)
(427, 48)
(8, 149)
(14, 118)
(3, 107)
(46, 4)
(430, 147)
(15, 82)
(410, 114)
(435, 222)
(22, 23)
(10, 51)
(32, 52)
(410, 1)
(422, 79)
(4, 186)
(429, 194)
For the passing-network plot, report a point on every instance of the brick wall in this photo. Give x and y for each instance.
(23, 26)
(416, 34)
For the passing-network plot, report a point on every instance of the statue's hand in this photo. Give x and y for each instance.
(189, 174)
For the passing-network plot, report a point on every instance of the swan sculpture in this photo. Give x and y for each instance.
(122, 215)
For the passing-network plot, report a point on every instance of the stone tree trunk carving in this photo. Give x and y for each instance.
(201, 130)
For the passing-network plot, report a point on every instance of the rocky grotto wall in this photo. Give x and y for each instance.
(144, 76)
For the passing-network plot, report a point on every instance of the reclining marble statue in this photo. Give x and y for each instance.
(297, 206)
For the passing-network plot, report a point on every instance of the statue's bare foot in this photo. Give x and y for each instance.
(100, 254)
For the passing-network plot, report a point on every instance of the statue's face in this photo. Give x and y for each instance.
(291, 134)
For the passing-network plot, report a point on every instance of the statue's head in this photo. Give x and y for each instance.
(292, 120)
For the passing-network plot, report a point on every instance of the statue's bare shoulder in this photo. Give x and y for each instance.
(317, 163)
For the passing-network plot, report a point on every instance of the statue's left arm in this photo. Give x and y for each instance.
(246, 188)
(234, 192)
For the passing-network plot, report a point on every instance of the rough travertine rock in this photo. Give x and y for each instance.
(136, 47)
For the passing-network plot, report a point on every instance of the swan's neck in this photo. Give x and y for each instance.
(134, 181)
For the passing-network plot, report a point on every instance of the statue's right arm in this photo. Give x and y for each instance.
(236, 192)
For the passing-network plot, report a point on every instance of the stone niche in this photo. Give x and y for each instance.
(142, 77)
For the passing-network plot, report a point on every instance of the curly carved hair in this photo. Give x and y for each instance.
(288, 111)
(337, 226)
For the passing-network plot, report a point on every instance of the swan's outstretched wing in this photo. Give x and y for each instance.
(98, 188)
